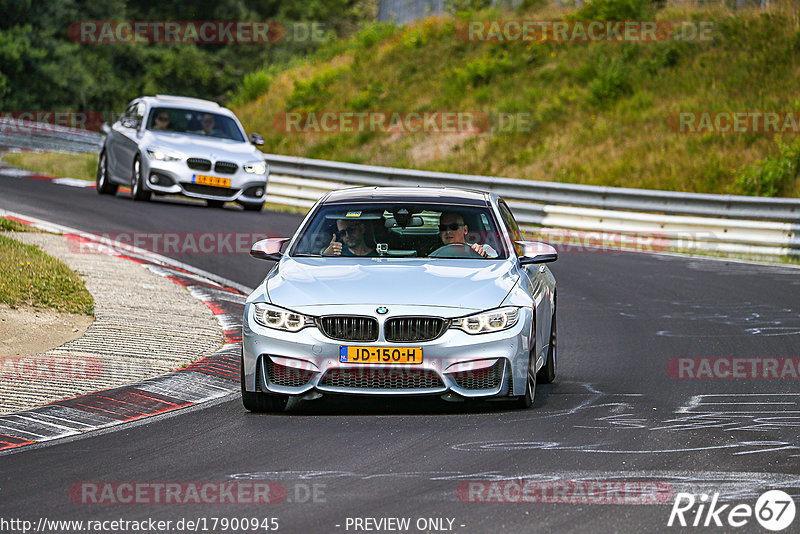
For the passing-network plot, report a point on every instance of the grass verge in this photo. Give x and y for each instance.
(596, 113)
(82, 166)
(29, 277)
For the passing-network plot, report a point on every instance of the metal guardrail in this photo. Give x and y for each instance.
(566, 212)
(610, 198)
(36, 136)
(723, 223)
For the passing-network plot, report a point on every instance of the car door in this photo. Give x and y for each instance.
(124, 140)
(113, 142)
(538, 285)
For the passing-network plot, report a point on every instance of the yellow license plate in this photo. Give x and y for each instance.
(386, 355)
(216, 181)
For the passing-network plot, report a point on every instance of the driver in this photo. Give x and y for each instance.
(353, 234)
(452, 230)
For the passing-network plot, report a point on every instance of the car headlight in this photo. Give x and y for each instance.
(488, 321)
(280, 319)
(255, 167)
(163, 155)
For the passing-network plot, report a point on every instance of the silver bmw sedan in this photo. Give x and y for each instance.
(401, 291)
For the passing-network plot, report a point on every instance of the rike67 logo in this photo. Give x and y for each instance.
(774, 510)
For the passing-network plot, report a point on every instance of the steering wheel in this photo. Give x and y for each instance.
(455, 250)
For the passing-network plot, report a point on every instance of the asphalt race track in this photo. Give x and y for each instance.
(615, 413)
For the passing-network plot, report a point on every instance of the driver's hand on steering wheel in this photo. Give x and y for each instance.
(479, 249)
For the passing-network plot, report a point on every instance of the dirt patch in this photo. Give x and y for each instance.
(25, 331)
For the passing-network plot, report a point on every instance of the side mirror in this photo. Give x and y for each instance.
(129, 123)
(536, 252)
(105, 128)
(268, 249)
(256, 139)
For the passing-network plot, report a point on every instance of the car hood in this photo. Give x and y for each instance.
(298, 283)
(207, 147)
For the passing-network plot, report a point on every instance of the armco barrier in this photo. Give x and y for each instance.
(690, 221)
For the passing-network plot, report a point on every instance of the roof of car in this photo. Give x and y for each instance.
(445, 195)
(185, 101)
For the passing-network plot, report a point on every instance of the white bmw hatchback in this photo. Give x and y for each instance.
(178, 145)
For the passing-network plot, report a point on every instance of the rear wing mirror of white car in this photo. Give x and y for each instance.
(268, 249)
(536, 252)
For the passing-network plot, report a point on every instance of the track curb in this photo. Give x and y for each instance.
(211, 377)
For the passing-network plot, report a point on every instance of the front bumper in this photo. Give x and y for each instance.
(176, 178)
(484, 365)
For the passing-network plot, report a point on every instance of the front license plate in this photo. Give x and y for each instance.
(216, 181)
(380, 354)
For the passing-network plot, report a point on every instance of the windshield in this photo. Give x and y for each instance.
(400, 230)
(193, 122)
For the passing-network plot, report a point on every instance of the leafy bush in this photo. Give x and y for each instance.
(254, 85)
(372, 34)
(614, 10)
(482, 70)
(309, 94)
(612, 82)
(460, 6)
(771, 177)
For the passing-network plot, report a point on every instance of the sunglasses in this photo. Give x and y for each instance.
(451, 226)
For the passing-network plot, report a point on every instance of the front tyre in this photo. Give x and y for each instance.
(261, 402)
(138, 191)
(526, 401)
(104, 185)
(547, 374)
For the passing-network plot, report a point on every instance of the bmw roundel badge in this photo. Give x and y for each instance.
(383, 310)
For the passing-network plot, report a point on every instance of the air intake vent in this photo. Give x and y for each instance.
(486, 378)
(225, 167)
(414, 329)
(281, 375)
(209, 190)
(349, 327)
(199, 164)
(382, 378)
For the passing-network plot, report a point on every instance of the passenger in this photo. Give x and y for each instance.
(452, 230)
(162, 121)
(208, 122)
(353, 235)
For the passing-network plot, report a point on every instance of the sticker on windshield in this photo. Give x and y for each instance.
(353, 214)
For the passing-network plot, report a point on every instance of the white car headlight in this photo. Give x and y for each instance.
(162, 155)
(280, 319)
(488, 321)
(255, 167)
